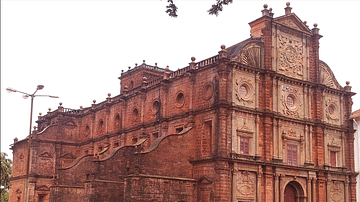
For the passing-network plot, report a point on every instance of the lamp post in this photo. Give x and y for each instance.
(25, 96)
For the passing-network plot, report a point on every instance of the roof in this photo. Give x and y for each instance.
(355, 114)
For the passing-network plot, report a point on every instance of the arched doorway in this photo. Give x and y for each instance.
(293, 192)
(290, 193)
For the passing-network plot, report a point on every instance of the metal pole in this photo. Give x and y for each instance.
(29, 150)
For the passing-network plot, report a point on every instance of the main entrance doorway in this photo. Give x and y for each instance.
(290, 193)
(294, 192)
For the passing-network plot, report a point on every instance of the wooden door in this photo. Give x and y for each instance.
(290, 193)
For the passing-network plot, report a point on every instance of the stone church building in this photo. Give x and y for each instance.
(262, 120)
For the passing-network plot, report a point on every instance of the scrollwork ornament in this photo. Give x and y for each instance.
(244, 90)
(291, 58)
(291, 101)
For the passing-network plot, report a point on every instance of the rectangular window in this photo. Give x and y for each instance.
(244, 145)
(116, 144)
(332, 159)
(292, 155)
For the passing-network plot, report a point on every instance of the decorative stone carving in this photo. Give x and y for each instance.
(244, 90)
(336, 191)
(291, 57)
(207, 91)
(245, 185)
(251, 55)
(332, 111)
(291, 101)
(327, 77)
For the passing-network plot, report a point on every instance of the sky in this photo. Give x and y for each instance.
(77, 48)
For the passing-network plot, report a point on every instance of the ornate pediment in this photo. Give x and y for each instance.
(46, 155)
(327, 77)
(292, 21)
(42, 188)
(68, 155)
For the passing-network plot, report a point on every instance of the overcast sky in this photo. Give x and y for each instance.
(77, 49)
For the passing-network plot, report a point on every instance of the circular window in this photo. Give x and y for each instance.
(331, 109)
(156, 105)
(180, 99)
(290, 101)
(243, 91)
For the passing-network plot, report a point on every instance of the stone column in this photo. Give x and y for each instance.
(328, 183)
(280, 190)
(347, 189)
(257, 122)
(258, 184)
(277, 187)
(308, 180)
(313, 189)
(257, 78)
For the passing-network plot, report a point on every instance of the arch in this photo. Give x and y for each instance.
(293, 192)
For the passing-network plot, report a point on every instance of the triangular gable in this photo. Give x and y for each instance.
(205, 180)
(68, 156)
(327, 76)
(46, 154)
(293, 22)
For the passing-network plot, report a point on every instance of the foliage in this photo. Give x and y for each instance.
(5, 177)
(171, 9)
(216, 8)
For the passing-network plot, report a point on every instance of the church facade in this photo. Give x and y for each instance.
(262, 120)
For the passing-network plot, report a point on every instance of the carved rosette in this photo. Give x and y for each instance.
(332, 111)
(244, 91)
(245, 185)
(291, 57)
(291, 101)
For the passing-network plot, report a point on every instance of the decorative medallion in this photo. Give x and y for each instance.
(155, 106)
(332, 111)
(291, 101)
(244, 90)
(291, 58)
(208, 91)
(180, 99)
(336, 191)
(246, 185)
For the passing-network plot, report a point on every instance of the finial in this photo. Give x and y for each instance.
(40, 113)
(315, 25)
(222, 47)
(49, 109)
(143, 61)
(109, 94)
(305, 22)
(60, 103)
(135, 64)
(81, 107)
(129, 67)
(94, 101)
(144, 78)
(265, 6)
(122, 71)
(265, 12)
(288, 8)
(347, 83)
(193, 59)
(155, 64)
(167, 68)
(126, 87)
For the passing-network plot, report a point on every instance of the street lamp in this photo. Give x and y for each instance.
(25, 96)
